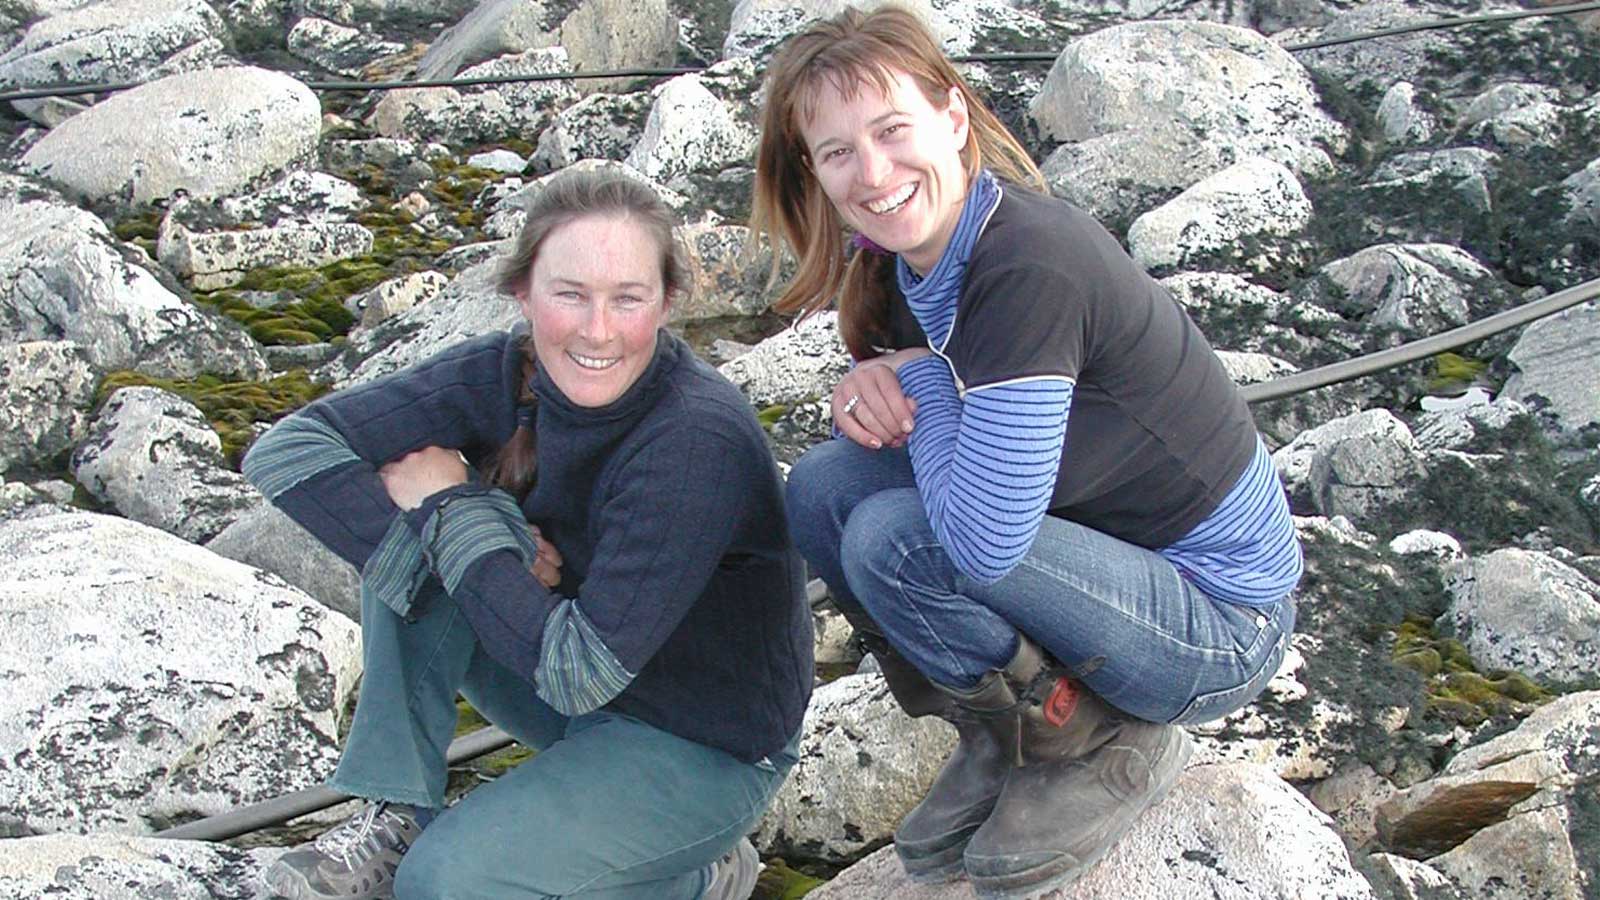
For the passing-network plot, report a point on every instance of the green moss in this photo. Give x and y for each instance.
(141, 230)
(233, 408)
(779, 882)
(770, 415)
(1453, 372)
(1457, 691)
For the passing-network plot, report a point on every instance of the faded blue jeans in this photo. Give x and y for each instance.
(1146, 640)
(610, 809)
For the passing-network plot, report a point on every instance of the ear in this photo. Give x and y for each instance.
(956, 107)
(524, 301)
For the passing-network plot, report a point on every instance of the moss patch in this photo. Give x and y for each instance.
(233, 408)
(142, 230)
(779, 882)
(1457, 691)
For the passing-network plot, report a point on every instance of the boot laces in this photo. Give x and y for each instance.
(356, 840)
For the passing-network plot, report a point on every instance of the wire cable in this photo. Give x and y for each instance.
(1301, 382)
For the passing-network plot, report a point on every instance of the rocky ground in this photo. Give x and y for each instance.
(183, 262)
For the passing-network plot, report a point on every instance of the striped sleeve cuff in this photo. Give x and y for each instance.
(578, 673)
(394, 572)
(469, 525)
(295, 449)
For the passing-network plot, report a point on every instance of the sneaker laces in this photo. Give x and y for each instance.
(354, 841)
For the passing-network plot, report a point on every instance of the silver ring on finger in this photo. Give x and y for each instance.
(850, 405)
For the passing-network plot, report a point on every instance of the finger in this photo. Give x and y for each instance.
(548, 575)
(868, 414)
(852, 429)
(547, 549)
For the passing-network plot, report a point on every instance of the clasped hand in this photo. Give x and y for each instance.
(422, 473)
(868, 405)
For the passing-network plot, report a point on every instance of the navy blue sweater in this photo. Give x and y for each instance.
(682, 599)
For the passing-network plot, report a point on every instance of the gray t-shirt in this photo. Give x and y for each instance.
(1158, 432)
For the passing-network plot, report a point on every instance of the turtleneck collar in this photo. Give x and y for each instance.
(932, 298)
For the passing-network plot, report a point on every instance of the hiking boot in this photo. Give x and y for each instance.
(1084, 772)
(931, 838)
(353, 861)
(733, 877)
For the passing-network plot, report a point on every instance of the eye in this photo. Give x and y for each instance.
(896, 127)
(834, 154)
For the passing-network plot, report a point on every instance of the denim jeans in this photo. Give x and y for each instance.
(611, 808)
(1140, 635)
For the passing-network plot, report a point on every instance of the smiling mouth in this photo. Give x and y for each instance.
(593, 363)
(893, 203)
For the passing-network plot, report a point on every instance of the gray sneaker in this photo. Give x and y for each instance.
(353, 861)
(733, 877)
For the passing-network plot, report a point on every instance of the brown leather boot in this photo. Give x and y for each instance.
(931, 838)
(1084, 773)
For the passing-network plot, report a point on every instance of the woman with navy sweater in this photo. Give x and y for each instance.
(1047, 509)
(578, 526)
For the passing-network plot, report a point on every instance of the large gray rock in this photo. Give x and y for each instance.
(1402, 119)
(63, 276)
(1116, 176)
(153, 457)
(1414, 289)
(46, 389)
(476, 115)
(725, 282)
(1504, 817)
(1523, 610)
(1217, 84)
(1462, 174)
(1583, 194)
(1231, 832)
(358, 12)
(1371, 463)
(468, 307)
(1558, 366)
(757, 27)
(208, 134)
(492, 28)
(337, 48)
(305, 218)
(117, 41)
(863, 765)
(1455, 428)
(1516, 115)
(607, 35)
(267, 539)
(600, 126)
(598, 35)
(1297, 461)
(1248, 213)
(100, 866)
(801, 363)
(158, 682)
(690, 130)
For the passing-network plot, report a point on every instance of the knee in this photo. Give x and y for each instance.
(885, 536)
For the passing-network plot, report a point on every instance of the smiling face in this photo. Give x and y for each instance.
(891, 163)
(594, 300)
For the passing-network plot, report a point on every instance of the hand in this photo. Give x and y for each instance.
(868, 405)
(547, 564)
(420, 474)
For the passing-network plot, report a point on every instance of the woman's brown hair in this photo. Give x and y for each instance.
(853, 51)
(566, 198)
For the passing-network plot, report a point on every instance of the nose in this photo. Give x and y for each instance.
(597, 324)
(874, 165)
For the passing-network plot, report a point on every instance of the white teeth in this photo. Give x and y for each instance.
(590, 362)
(893, 201)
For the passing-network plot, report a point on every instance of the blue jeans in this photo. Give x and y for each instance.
(1143, 637)
(610, 809)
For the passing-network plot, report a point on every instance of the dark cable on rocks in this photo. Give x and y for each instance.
(1041, 56)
